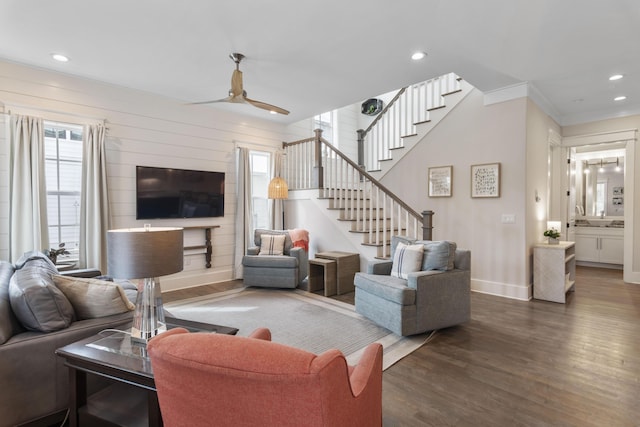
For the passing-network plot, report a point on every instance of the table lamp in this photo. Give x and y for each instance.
(145, 253)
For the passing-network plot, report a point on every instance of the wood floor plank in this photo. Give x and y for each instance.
(522, 363)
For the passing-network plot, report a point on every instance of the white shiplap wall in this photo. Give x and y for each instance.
(143, 129)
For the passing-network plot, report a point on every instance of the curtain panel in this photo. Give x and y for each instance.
(244, 209)
(28, 228)
(95, 218)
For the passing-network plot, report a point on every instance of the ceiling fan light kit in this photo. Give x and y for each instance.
(237, 94)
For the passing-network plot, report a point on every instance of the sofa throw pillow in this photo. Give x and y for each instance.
(36, 302)
(406, 259)
(7, 318)
(272, 244)
(438, 255)
(93, 298)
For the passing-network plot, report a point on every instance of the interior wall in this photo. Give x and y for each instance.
(489, 134)
(537, 195)
(143, 129)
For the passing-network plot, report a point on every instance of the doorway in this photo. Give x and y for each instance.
(579, 201)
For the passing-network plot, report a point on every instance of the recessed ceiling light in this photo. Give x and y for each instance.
(59, 57)
(619, 98)
(616, 77)
(418, 56)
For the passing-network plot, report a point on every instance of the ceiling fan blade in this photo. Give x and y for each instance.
(227, 99)
(266, 106)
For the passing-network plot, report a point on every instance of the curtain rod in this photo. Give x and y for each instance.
(8, 108)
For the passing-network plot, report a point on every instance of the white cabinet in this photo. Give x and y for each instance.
(599, 244)
(554, 271)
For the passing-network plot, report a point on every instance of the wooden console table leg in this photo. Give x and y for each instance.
(207, 233)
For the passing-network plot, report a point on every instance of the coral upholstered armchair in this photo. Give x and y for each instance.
(224, 380)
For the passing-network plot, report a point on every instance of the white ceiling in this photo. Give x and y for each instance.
(311, 57)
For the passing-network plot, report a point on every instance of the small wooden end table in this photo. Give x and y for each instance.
(132, 398)
(347, 265)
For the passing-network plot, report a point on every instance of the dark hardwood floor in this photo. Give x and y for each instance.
(522, 363)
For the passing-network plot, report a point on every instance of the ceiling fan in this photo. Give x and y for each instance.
(238, 95)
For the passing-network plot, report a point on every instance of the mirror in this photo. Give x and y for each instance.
(599, 182)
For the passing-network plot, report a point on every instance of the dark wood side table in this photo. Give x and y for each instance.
(112, 355)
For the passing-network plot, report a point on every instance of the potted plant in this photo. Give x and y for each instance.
(52, 254)
(553, 236)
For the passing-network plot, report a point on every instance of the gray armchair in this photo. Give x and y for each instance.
(275, 271)
(425, 301)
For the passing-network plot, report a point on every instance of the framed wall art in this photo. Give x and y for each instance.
(440, 181)
(485, 180)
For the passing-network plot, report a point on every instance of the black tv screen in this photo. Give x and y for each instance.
(178, 193)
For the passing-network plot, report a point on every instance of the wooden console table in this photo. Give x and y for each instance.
(207, 242)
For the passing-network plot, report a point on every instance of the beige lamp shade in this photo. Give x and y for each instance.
(278, 189)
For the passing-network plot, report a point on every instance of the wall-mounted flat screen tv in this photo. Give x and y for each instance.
(178, 193)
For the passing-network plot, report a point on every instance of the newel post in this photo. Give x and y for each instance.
(427, 225)
(361, 135)
(318, 173)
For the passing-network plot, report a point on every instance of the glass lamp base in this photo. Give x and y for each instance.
(148, 317)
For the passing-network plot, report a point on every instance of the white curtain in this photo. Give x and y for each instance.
(277, 205)
(95, 219)
(27, 187)
(244, 209)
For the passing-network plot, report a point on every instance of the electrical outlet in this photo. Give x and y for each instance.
(508, 219)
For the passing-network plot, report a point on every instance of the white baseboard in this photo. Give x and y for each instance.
(506, 290)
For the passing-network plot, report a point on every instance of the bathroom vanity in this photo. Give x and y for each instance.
(600, 241)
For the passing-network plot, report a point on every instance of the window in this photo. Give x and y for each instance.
(325, 121)
(260, 162)
(63, 174)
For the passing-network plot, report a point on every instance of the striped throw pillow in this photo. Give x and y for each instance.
(272, 244)
(406, 259)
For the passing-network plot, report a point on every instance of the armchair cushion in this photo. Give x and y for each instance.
(272, 244)
(406, 259)
(438, 255)
(93, 298)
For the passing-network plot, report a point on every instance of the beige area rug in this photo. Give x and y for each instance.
(298, 319)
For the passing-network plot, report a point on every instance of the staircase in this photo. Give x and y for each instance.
(407, 118)
(365, 208)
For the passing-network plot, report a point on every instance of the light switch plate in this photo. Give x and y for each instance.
(508, 219)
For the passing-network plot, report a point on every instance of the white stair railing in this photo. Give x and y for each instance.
(368, 205)
(399, 118)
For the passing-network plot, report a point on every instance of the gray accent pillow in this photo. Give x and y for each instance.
(37, 303)
(93, 298)
(438, 255)
(406, 259)
(7, 318)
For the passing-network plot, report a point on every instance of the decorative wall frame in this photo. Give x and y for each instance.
(440, 181)
(485, 180)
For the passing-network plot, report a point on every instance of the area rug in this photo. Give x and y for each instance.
(298, 319)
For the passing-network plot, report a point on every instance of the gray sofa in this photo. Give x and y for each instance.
(425, 301)
(33, 380)
(275, 271)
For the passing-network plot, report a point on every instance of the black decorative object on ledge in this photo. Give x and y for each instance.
(372, 106)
